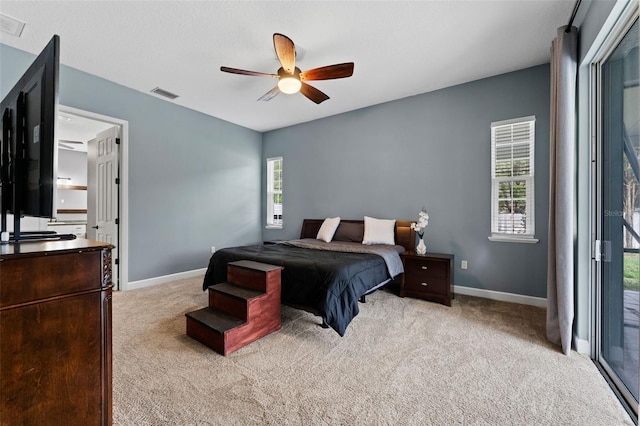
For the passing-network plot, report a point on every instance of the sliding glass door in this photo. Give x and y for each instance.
(618, 223)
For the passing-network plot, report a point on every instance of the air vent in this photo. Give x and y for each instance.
(11, 25)
(162, 92)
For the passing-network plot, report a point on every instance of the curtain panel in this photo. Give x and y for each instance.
(560, 280)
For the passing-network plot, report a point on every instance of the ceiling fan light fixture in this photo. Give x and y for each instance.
(289, 85)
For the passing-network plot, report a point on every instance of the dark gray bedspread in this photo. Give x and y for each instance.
(327, 282)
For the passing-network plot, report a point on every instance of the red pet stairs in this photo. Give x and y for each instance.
(240, 311)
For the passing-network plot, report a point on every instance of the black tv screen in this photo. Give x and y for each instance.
(29, 145)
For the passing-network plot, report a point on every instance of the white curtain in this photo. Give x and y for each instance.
(562, 153)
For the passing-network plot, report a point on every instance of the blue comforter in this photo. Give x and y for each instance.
(328, 283)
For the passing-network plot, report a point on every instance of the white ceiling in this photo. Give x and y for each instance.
(400, 49)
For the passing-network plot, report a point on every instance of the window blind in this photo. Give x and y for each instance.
(512, 174)
(274, 191)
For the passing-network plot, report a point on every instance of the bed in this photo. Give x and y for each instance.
(325, 278)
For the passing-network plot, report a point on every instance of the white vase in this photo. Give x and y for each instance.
(421, 249)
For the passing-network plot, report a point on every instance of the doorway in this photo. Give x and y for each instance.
(617, 259)
(79, 132)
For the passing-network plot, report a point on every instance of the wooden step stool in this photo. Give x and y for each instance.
(240, 311)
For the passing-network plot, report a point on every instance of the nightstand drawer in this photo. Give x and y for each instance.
(427, 268)
(426, 284)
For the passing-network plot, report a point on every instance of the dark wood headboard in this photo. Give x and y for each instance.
(404, 235)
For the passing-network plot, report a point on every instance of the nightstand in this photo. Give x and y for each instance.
(428, 276)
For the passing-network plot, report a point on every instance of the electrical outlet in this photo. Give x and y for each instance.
(213, 249)
(463, 264)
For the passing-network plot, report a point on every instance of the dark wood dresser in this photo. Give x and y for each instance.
(55, 333)
(428, 276)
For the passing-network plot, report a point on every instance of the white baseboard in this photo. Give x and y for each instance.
(540, 302)
(582, 346)
(133, 285)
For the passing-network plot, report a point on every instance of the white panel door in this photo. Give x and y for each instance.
(103, 195)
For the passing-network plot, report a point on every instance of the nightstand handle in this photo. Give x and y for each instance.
(423, 284)
(424, 267)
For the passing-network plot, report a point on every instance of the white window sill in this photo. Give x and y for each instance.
(513, 239)
(273, 227)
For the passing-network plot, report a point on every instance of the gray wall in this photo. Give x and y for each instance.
(194, 180)
(429, 150)
(73, 165)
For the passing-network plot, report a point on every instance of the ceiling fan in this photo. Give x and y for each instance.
(290, 78)
(67, 143)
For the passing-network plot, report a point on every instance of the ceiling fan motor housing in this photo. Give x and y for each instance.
(283, 74)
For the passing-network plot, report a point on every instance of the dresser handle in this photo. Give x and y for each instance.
(424, 267)
(423, 284)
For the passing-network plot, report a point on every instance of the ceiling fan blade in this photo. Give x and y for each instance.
(329, 72)
(286, 52)
(245, 72)
(70, 142)
(270, 94)
(64, 145)
(312, 93)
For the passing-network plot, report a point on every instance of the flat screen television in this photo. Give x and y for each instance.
(28, 161)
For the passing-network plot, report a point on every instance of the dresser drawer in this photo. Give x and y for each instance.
(79, 231)
(36, 278)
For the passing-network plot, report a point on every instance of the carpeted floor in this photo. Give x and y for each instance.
(401, 362)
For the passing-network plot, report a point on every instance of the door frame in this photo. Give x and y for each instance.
(626, 18)
(123, 193)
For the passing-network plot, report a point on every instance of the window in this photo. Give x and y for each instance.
(512, 180)
(274, 192)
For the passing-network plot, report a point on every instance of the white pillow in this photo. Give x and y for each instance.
(379, 231)
(328, 228)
